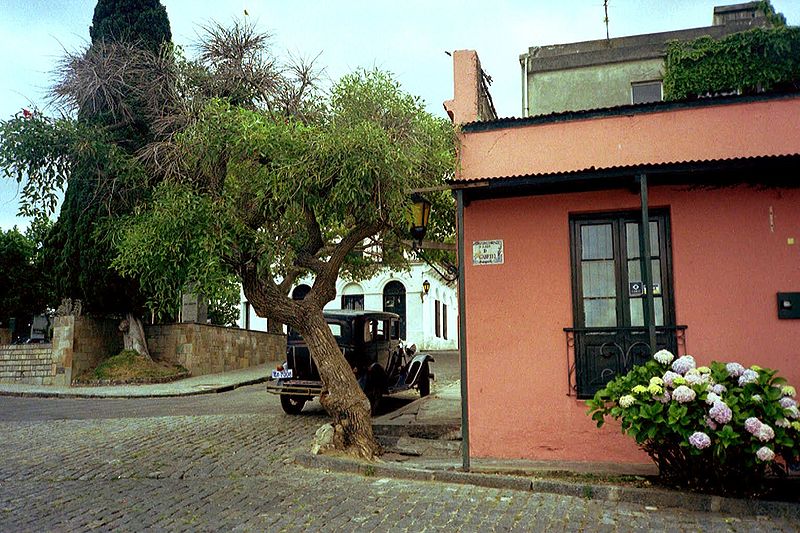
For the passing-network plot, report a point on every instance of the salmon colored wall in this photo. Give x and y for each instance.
(727, 263)
(464, 105)
(758, 128)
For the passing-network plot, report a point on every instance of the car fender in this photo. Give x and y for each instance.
(374, 378)
(415, 366)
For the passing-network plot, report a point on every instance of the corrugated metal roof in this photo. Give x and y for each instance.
(650, 107)
(631, 168)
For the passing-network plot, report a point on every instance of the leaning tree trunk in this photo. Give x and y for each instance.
(342, 397)
(133, 335)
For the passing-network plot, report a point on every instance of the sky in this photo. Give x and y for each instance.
(408, 38)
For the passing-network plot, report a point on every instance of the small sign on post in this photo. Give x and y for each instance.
(487, 252)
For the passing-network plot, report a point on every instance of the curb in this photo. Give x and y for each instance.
(662, 498)
(421, 431)
(167, 394)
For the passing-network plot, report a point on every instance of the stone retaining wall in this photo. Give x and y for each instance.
(32, 364)
(80, 343)
(204, 349)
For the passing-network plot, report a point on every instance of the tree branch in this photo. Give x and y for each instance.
(324, 288)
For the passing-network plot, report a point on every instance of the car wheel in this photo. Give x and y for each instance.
(424, 380)
(292, 405)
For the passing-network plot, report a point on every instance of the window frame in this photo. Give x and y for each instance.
(437, 319)
(586, 340)
(618, 220)
(646, 83)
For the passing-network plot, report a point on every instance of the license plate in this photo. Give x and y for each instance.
(282, 374)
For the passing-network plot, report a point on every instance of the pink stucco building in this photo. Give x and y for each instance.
(555, 297)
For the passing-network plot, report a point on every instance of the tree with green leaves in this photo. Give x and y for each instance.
(127, 35)
(142, 22)
(24, 288)
(254, 172)
(275, 199)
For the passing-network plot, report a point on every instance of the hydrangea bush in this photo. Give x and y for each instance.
(720, 428)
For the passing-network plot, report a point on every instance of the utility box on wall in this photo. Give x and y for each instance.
(789, 305)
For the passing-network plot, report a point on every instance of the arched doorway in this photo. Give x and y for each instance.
(394, 301)
(300, 292)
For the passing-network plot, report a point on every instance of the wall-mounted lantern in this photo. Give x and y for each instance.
(421, 212)
(426, 288)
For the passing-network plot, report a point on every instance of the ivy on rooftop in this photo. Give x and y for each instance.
(757, 60)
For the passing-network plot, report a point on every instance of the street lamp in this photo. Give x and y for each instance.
(426, 287)
(421, 212)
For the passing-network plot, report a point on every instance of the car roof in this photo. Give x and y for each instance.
(349, 314)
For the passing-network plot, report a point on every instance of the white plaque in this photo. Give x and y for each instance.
(487, 252)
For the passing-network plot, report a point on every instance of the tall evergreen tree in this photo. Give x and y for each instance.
(142, 22)
(78, 249)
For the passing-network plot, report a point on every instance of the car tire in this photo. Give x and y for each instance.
(424, 380)
(292, 405)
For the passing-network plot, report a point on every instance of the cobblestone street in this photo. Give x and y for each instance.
(225, 462)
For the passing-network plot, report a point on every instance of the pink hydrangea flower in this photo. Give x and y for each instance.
(710, 423)
(765, 454)
(700, 440)
(683, 364)
(683, 394)
(752, 425)
(669, 378)
(765, 433)
(748, 376)
(787, 402)
(734, 369)
(721, 412)
(719, 388)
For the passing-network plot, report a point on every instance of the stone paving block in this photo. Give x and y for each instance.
(208, 463)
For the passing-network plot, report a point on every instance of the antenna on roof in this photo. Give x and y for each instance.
(605, 7)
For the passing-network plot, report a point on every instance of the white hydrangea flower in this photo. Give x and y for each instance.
(626, 401)
(664, 357)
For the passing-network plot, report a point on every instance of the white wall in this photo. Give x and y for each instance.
(420, 313)
(256, 322)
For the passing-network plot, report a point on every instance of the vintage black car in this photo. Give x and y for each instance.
(370, 341)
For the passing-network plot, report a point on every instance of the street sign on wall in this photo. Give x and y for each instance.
(487, 252)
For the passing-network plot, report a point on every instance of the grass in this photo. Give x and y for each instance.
(131, 367)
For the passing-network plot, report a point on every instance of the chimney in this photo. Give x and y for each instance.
(463, 107)
(746, 15)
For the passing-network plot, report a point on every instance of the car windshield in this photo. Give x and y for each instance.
(335, 327)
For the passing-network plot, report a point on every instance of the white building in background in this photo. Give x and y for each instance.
(428, 320)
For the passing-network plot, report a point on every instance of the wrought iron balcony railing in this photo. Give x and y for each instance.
(595, 356)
